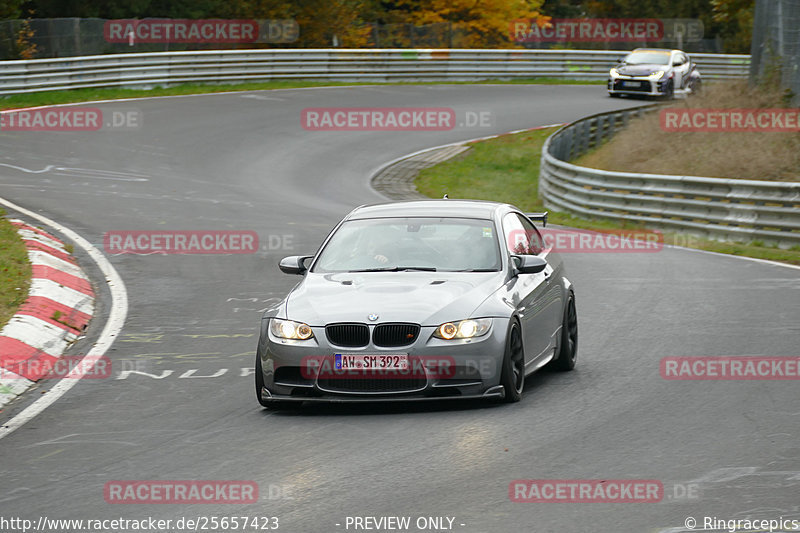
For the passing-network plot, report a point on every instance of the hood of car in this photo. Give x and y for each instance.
(640, 70)
(426, 298)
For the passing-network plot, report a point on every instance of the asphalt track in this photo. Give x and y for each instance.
(242, 161)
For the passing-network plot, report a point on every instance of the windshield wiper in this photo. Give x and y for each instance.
(395, 269)
(476, 270)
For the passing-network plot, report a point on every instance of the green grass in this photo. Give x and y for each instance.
(758, 155)
(506, 169)
(15, 270)
(86, 95)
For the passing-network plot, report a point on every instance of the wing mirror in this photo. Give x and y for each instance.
(528, 264)
(295, 264)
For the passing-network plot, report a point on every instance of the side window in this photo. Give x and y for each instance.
(521, 236)
(536, 241)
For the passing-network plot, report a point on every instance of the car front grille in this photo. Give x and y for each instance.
(350, 335)
(355, 335)
(392, 335)
(372, 384)
(644, 86)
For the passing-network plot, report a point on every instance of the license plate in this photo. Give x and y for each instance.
(631, 84)
(371, 362)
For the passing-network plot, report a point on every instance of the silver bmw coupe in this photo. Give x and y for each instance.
(419, 300)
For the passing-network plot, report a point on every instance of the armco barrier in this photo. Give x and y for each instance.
(357, 65)
(724, 209)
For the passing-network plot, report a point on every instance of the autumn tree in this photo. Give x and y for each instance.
(736, 18)
(487, 23)
(10, 9)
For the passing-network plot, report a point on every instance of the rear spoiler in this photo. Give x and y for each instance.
(538, 217)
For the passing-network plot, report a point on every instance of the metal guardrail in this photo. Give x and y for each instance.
(726, 209)
(357, 65)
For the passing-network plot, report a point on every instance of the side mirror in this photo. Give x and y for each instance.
(528, 264)
(677, 63)
(294, 264)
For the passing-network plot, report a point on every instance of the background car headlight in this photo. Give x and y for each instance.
(289, 329)
(465, 329)
(613, 73)
(656, 75)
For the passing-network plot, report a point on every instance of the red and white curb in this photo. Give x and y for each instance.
(59, 306)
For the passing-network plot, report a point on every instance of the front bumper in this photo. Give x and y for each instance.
(643, 86)
(457, 369)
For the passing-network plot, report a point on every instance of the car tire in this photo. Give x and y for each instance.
(568, 346)
(271, 405)
(696, 87)
(669, 91)
(512, 377)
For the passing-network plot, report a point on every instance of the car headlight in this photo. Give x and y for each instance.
(657, 75)
(465, 329)
(613, 73)
(289, 329)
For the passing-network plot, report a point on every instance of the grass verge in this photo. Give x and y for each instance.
(645, 145)
(506, 169)
(15, 270)
(87, 95)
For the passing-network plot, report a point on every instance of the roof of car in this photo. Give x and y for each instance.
(670, 50)
(425, 208)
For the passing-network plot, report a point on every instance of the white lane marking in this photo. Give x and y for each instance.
(256, 96)
(186, 374)
(90, 173)
(28, 170)
(719, 254)
(98, 174)
(221, 93)
(112, 328)
(756, 259)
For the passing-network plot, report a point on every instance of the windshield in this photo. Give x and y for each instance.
(441, 244)
(649, 58)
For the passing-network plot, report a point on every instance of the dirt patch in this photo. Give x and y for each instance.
(645, 147)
